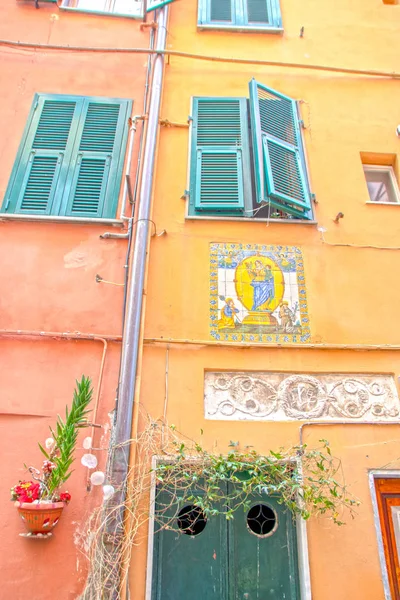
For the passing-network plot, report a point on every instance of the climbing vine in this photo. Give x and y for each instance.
(308, 481)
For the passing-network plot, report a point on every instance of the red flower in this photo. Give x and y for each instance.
(27, 491)
(65, 497)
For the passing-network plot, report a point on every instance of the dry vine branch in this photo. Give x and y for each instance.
(307, 481)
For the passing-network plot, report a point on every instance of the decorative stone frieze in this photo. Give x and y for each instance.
(266, 396)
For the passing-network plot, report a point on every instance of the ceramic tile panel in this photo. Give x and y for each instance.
(258, 294)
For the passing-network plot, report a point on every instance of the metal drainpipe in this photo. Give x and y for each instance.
(119, 460)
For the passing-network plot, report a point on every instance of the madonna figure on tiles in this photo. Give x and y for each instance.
(262, 283)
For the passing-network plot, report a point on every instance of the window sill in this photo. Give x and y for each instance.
(101, 13)
(241, 28)
(384, 203)
(57, 219)
(250, 220)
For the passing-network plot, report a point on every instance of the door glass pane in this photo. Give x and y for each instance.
(396, 527)
(380, 186)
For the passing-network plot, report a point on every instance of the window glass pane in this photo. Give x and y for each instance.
(257, 11)
(380, 186)
(221, 10)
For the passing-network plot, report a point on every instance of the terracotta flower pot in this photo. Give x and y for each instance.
(40, 518)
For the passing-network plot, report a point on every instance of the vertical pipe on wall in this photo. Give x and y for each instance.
(119, 459)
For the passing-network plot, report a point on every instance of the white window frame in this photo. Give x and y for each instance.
(138, 14)
(239, 18)
(393, 181)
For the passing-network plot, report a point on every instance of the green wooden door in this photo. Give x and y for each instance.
(252, 557)
(190, 559)
(263, 553)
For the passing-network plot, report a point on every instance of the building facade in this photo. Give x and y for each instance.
(270, 303)
(67, 145)
(262, 267)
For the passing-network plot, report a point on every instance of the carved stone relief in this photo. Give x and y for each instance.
(255, 396)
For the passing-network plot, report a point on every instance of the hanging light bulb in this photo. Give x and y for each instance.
(108, 491)
(97, 478)
(49, 443)
(87, 443)
(89, 461)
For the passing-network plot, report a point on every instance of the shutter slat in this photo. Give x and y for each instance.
(217, 175)
(281, 178)
(100, 127)
(39, 185)
(54, 125)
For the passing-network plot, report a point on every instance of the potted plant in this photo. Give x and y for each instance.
(41, 502)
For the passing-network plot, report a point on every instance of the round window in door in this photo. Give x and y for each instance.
(191, 520)
(262, 520)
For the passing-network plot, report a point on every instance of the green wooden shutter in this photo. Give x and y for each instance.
(153, 4)
(279, 159)
(95, 173)
(40, 170)
(217, 155)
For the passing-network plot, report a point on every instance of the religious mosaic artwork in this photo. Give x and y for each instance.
(267, 396)
(258, 294)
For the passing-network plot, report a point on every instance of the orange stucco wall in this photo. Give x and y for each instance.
(352, 292)
(48, 284)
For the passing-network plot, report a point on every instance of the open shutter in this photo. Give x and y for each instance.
(153, 4)
(281, 177)
(95, 171)
(217, 155)
(40, 170)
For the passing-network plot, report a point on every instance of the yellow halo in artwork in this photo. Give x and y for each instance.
(253, 272)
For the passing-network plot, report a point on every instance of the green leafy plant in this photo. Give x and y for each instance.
(59, 452)
(307, 481)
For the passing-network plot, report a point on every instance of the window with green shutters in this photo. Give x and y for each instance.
(280, 169)
(70, 159)
(219, 156)
(240, 14)
(231, 177)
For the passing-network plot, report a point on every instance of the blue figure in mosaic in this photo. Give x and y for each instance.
(262, 283)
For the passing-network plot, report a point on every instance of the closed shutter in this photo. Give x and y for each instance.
(280, 173)
(40, 170)
(70, 159)
(93, 180)
(217, 155)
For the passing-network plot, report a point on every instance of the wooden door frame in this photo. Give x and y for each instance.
(381, 474)
(301, 531)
